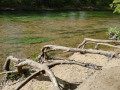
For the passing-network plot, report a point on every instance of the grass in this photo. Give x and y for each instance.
(25, 40)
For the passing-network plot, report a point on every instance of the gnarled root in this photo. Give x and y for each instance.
(99, 42)
(41, 68)
(49, 48)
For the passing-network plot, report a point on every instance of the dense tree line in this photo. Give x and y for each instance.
(54, 3)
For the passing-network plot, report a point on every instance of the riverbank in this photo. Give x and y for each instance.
(73, 77)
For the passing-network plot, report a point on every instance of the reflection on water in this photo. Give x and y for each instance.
(22, 34)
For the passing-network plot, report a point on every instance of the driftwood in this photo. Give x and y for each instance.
(41, 69)
(48, 48)
(99, 42)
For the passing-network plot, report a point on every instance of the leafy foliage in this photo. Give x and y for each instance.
(114, 33)
(116, 5)
(14, 76)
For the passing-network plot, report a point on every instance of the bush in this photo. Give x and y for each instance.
(114, 33)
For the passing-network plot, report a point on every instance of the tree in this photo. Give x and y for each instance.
(116, 6)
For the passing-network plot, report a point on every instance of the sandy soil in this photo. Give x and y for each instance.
(73, 77)
(107, 79)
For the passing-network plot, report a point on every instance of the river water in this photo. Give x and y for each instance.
(22, 34)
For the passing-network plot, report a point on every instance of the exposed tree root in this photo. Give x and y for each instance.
(87, 65)
(41, 68)
(27, 80)
(99, 42)
(7, 72)
(48, 48)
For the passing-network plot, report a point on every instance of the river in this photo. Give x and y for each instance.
(22, 34)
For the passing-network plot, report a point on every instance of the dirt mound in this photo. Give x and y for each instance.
(71, 77)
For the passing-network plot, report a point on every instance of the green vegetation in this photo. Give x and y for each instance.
(14, 76)
(114, 33)
(58, 4)
(25, 40)
(116, 6)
